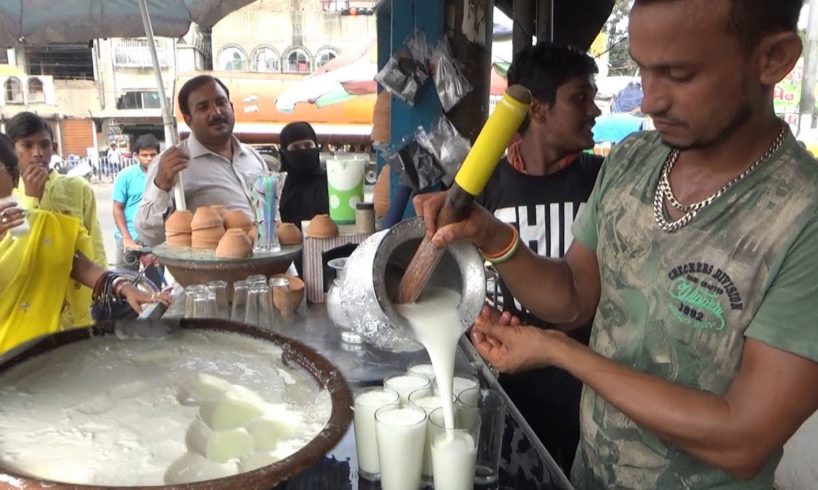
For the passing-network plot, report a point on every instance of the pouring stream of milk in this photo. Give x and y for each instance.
(436, 325)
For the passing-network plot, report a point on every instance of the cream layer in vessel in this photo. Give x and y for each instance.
(136, 412)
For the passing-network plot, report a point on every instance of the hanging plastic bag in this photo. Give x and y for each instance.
(446, 145)
(425, 158)
(408, 69)
(450, 82)
(415, 166)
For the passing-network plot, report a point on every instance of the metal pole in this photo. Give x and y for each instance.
(545, 21)
(471, 44)
(167, 119)
(810, 77)
(523, 14)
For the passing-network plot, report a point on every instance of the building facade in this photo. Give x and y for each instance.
(96, 94)
(103, 92)
(291, 36)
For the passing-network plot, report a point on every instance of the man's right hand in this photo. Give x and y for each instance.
(479, 226)
(128, 243)
(173, 161)
(35, 177)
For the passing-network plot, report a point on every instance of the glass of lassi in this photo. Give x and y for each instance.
(367, 402)
(423, 368)
(422, 398)
(405, 384)
(401, 434)
(454, 451)
(491, 411)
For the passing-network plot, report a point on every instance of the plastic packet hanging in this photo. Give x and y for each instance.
(446, 145)
(415, 166)
(450, 82)
(408, 69)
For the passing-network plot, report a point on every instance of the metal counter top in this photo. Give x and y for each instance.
(525, 463)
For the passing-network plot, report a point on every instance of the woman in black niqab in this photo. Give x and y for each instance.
(305, 190)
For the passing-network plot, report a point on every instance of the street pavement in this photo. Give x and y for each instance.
(105, 214)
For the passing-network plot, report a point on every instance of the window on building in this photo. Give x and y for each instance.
(4, 56)
(14, 90)
(139, 100)
(297, 60)
(62, 61)
(350, 7)
(136, 53)
(266, 59)
(232, 58)
(35, 90)
(334, 5)
(324, 55)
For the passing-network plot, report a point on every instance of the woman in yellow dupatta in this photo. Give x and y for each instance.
(38, 268)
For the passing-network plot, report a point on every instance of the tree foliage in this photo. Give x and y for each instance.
(620, 62)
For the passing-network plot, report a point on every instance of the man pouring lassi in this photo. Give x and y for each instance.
(672, 384)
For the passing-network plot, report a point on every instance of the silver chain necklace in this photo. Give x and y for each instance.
(663, 190)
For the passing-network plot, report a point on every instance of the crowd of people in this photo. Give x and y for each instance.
(656, 327)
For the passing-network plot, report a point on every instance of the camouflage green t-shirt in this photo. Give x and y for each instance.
(679, 305)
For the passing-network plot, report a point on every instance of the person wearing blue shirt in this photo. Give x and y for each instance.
(127, 194)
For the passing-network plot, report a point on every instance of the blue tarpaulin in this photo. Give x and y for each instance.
(614, 128)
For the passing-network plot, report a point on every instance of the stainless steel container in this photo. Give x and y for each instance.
(373, 272)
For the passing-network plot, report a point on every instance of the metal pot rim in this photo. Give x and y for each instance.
(324, 373)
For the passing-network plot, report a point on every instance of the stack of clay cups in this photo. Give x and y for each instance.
(177, 229)
(207, 228)
(234, 244)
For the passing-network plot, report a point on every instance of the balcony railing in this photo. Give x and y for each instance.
(135, 53)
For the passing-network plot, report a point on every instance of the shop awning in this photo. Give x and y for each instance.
(258, 121)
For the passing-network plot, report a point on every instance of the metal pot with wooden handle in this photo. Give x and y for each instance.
(469, 182)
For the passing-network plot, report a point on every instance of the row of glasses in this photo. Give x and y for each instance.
(403, 444)
(253, 300)
(206, 300)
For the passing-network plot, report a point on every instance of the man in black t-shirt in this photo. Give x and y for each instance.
(540, 187)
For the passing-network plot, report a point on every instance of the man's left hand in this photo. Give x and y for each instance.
(511, 347)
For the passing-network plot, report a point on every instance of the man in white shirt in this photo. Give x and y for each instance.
(215, 166)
